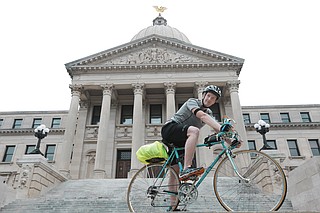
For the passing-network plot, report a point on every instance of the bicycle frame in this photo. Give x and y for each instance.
(226, 150)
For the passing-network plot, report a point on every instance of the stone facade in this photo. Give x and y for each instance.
(122, 96)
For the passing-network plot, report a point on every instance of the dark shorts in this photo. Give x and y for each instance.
(175, 133)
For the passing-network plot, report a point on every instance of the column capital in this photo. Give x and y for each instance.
(107, 89)
(76, 89)
(200, 85)
(233, 86)
(170, 87)
(138, 88)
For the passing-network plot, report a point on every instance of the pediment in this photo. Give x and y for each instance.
(154, 55)
(155, 50)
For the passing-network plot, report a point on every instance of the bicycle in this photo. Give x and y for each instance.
(245, 180)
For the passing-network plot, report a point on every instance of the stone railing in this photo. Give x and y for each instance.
(152, 132)
(35, 176)
(303, 186)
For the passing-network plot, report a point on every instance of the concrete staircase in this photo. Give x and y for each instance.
(104, 195)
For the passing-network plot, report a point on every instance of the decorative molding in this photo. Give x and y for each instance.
(92, 132)
(155, 55)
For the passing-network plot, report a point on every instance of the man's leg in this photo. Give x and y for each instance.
(173, 185)
(190, 147)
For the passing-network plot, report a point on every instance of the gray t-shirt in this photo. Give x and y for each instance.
(185, 116)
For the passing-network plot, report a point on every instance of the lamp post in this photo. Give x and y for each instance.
(40, 132)
(263, 127)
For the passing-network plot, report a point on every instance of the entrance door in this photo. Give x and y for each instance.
(123, 163)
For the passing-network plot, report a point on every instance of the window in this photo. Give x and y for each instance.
(155, 113)
(265, 117)
(29, 149)
(1, 122)
(315, 148)
(305, 117)
(285, 117)
(293, 147)
(216, 111)
(252, 145)
(56, 122)
(50, 152)
(36, 122)
(96, 115)
(17, 123)
(246, 119)
(272, 144)
(8, 154)
(126, 114)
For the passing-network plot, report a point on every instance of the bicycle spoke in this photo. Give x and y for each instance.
(150, 191)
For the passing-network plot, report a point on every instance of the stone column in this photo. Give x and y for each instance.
(99, 166)
(79, 138)
(71, 123)
(138, 127)
(233, 87)
(171, 105)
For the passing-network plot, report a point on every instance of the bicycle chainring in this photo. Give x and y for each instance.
(187, 193)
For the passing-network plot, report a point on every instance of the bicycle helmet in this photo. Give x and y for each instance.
(213, 89)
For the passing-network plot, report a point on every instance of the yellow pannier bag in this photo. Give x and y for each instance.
(152, 153)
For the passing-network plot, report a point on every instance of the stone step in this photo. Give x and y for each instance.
(104, 195)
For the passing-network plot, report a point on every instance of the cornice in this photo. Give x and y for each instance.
(288, 125)
(27, 131)
(194, 66)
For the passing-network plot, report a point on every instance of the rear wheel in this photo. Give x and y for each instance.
(264, 190)
(150, 191)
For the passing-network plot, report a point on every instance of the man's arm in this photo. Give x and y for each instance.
(207, 119)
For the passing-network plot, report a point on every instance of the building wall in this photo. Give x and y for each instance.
(281, 132)
(24, 135)
(122, 136)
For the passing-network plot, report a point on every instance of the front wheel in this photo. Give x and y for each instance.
(153, 189)
(264, 187)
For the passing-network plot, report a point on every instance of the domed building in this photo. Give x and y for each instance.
(121, 97)
(128, 92)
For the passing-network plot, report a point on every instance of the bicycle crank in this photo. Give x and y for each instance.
(187, 193)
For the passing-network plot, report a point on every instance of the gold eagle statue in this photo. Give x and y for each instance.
(160, 9)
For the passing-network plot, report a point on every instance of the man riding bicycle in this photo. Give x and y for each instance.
(182, 130)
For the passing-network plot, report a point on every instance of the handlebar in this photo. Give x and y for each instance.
(227, 134)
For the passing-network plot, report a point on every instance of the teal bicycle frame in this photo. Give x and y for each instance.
(226, 150)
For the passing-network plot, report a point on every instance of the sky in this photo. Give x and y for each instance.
(279, 40)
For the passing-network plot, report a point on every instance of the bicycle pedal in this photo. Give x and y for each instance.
(192, 178)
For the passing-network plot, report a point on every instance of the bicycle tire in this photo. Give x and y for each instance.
(147, 193)
(265, 191)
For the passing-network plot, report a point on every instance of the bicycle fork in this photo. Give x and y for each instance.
(235, 169)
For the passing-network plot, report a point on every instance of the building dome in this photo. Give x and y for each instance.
(161, 28)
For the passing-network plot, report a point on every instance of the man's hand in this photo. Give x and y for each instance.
(225, 127)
